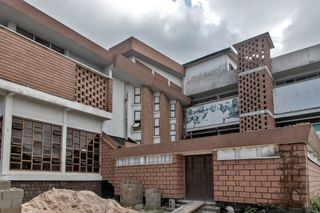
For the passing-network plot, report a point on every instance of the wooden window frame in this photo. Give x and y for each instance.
(35, 145)
(82, 151)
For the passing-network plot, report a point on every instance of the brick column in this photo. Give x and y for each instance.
(147, 124)
(179, 121)
(255, 84)
(164, 119)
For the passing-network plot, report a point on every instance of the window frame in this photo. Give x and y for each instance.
(156, 103)
(156, 125)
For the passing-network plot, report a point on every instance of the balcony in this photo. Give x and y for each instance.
(32, 65)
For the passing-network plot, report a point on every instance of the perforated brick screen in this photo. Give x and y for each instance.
(93, 89)
(253, 54)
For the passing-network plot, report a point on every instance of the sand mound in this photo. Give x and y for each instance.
(69, 201)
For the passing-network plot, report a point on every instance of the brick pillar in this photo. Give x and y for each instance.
(179, 121)
(109, 95)
(164, 119)
(255, 84)
(294, 179)
(147, 125)
(107, 163)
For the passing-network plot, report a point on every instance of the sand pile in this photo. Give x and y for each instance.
(69, 201)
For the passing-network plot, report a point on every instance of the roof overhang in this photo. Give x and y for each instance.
(136, 48)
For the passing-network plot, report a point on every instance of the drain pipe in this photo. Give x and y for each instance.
(126, 106)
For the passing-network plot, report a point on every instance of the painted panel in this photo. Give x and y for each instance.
(297, 97)
(212, 114)
(269, 151)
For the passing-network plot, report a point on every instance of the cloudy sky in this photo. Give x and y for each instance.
(188, 29)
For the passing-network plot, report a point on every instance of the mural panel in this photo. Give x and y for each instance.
(212, 114)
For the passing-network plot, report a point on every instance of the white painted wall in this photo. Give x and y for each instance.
(115, 126)
(135, 135)
(297, 97)
(36, 110)
(82, 121)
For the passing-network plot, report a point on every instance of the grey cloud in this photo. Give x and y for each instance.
(187, 38)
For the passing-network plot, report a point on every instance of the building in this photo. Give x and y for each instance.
(237, 124)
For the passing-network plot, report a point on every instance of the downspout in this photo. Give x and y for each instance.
(126, 102)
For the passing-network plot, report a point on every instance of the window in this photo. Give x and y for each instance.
(156, 103)
(173, 127)
(83, 151)
(137, 95)
(35, 145)
(137, 121)
(40, 40)
(57, 48)
(156, 126)
(24, 33)
(173, 110)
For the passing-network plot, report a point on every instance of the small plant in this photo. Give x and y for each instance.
(250, 209)
(315, 205)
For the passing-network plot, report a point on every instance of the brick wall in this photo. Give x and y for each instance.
(164, 119)
(147, 125)
(167, 178)
(314, 179)
(263, 181)
(179, 120)
(107, 163)
(34, 188)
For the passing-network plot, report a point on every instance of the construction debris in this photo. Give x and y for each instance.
(69, 201)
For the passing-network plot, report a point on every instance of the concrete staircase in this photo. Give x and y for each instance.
(208, 207)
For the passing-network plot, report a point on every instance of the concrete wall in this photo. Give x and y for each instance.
(296, 59)
(296, 97)
(209, 75)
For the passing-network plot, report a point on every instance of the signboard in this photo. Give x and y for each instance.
(212, 114)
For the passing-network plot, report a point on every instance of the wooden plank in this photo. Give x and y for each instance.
(190, 207)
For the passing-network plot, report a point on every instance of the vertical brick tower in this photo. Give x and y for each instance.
(255, 83)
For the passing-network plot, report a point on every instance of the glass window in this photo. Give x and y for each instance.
(83, 151)
(33, 147)
(156, 126)
(137, 95)
(156, 103)
(172, 110)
